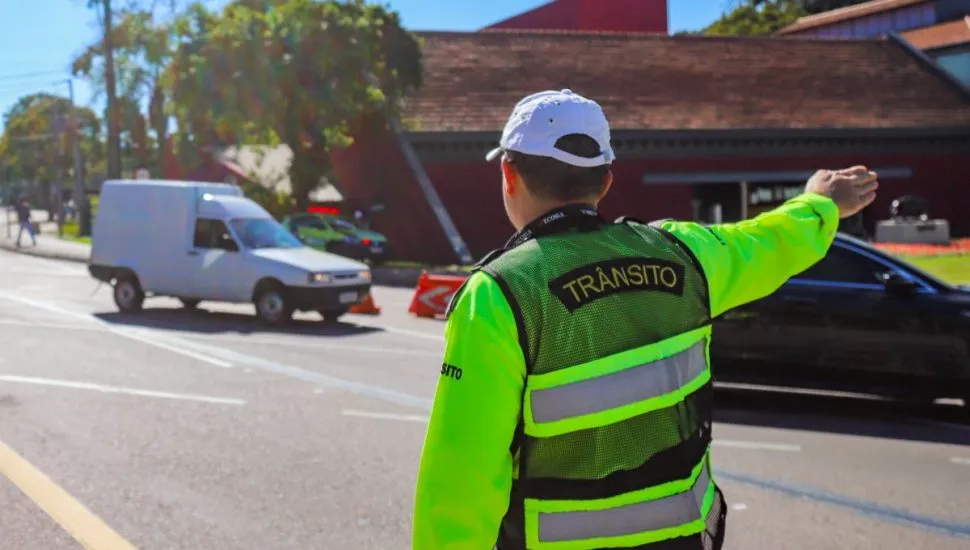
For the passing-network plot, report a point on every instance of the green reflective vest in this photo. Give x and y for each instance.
(613, 443)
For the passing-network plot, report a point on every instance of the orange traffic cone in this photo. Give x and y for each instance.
(367, 307)
(433, 294)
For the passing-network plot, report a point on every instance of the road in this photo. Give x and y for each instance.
(202, 430)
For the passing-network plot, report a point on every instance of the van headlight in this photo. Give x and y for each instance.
(364, 275)
(324, 278)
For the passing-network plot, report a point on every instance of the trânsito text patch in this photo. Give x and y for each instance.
(591, 282)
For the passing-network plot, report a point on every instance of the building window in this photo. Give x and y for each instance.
(957, 64)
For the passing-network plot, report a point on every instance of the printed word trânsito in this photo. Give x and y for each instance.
(451, 371)
(591, 282)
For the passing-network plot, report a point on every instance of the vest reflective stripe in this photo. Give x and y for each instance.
(618, 387)
(621, 388)
(628, 522)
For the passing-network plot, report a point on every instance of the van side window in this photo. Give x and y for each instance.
(208, 234)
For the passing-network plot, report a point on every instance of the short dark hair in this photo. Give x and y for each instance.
(548, 178)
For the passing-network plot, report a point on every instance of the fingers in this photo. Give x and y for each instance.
(854, 171)
(866, 200)
(867, 187)
(858, 177)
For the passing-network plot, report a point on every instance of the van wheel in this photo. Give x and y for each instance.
(190, 303)
(128, 294)
(332, 316)
(271, 305)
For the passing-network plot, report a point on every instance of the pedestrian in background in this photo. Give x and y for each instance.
(574, 405)
(23, 216)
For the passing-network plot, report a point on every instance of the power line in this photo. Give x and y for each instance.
(35, 74)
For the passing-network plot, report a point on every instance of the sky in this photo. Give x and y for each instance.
(40, 37)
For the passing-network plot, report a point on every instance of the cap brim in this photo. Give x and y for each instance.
(493, 154)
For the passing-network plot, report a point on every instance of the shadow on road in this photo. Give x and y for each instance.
(866, 417)
(220, 322)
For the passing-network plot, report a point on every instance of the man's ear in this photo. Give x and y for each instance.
(607, 184)
(510, 178)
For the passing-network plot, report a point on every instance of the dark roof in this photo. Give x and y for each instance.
(951, 33)
(847, 14)
(472, 81)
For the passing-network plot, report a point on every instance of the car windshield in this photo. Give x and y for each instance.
(343, 225)
(259, 233)
(313, 222)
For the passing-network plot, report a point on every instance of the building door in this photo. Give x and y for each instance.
(717, 202)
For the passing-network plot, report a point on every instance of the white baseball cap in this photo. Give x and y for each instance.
(540, 120)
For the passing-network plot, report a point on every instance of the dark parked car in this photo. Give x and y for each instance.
(860, 320)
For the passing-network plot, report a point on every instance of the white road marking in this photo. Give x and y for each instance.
(406, 332)
(120, 390)
(181, 351)
(119, 332)
(41, 324)
(228, 356)
(960, 460)
(739, 506)
(387, 416)
(43, 272)
(283, 342)
(757, 445)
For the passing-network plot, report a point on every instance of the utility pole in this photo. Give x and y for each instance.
(80, 199)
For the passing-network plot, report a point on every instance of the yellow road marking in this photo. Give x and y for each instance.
(71, 515)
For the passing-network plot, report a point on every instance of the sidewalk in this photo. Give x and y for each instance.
(48, 246)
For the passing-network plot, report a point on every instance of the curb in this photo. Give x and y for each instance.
(42, 254)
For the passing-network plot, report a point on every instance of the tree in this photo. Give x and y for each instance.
(757, 18)
(819, 6)
(37, 139)
(297, 72)
(142, 49)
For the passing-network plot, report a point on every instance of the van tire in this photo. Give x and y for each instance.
(190, 303)
(272, 305)
(128, 294)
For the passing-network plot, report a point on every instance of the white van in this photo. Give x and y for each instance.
(206, 241)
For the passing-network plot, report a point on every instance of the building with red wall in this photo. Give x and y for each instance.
(647, 16)
(706, 128)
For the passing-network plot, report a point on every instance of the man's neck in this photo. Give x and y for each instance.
(540, 209)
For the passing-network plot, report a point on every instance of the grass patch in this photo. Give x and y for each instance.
(71, 233)
(953, 268)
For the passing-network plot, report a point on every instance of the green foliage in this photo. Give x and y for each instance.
(298, 72)
(37, 139)
(277, 203)
(819, 6)
(757, 18)
(142, 48)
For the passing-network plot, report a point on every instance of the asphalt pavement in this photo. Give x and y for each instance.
(202, 430)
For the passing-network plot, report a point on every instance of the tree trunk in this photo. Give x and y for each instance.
(114, 131)
(306, 170)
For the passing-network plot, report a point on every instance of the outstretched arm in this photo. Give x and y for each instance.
(749, 260)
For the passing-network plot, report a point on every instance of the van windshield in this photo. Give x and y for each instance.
(256, 233)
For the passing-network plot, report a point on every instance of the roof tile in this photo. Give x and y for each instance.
(951, 33)
(847, 13)
(472, 81)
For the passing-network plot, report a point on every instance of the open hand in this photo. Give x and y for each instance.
(852, 189)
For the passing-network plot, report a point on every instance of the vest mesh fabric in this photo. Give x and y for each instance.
(645, 450)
